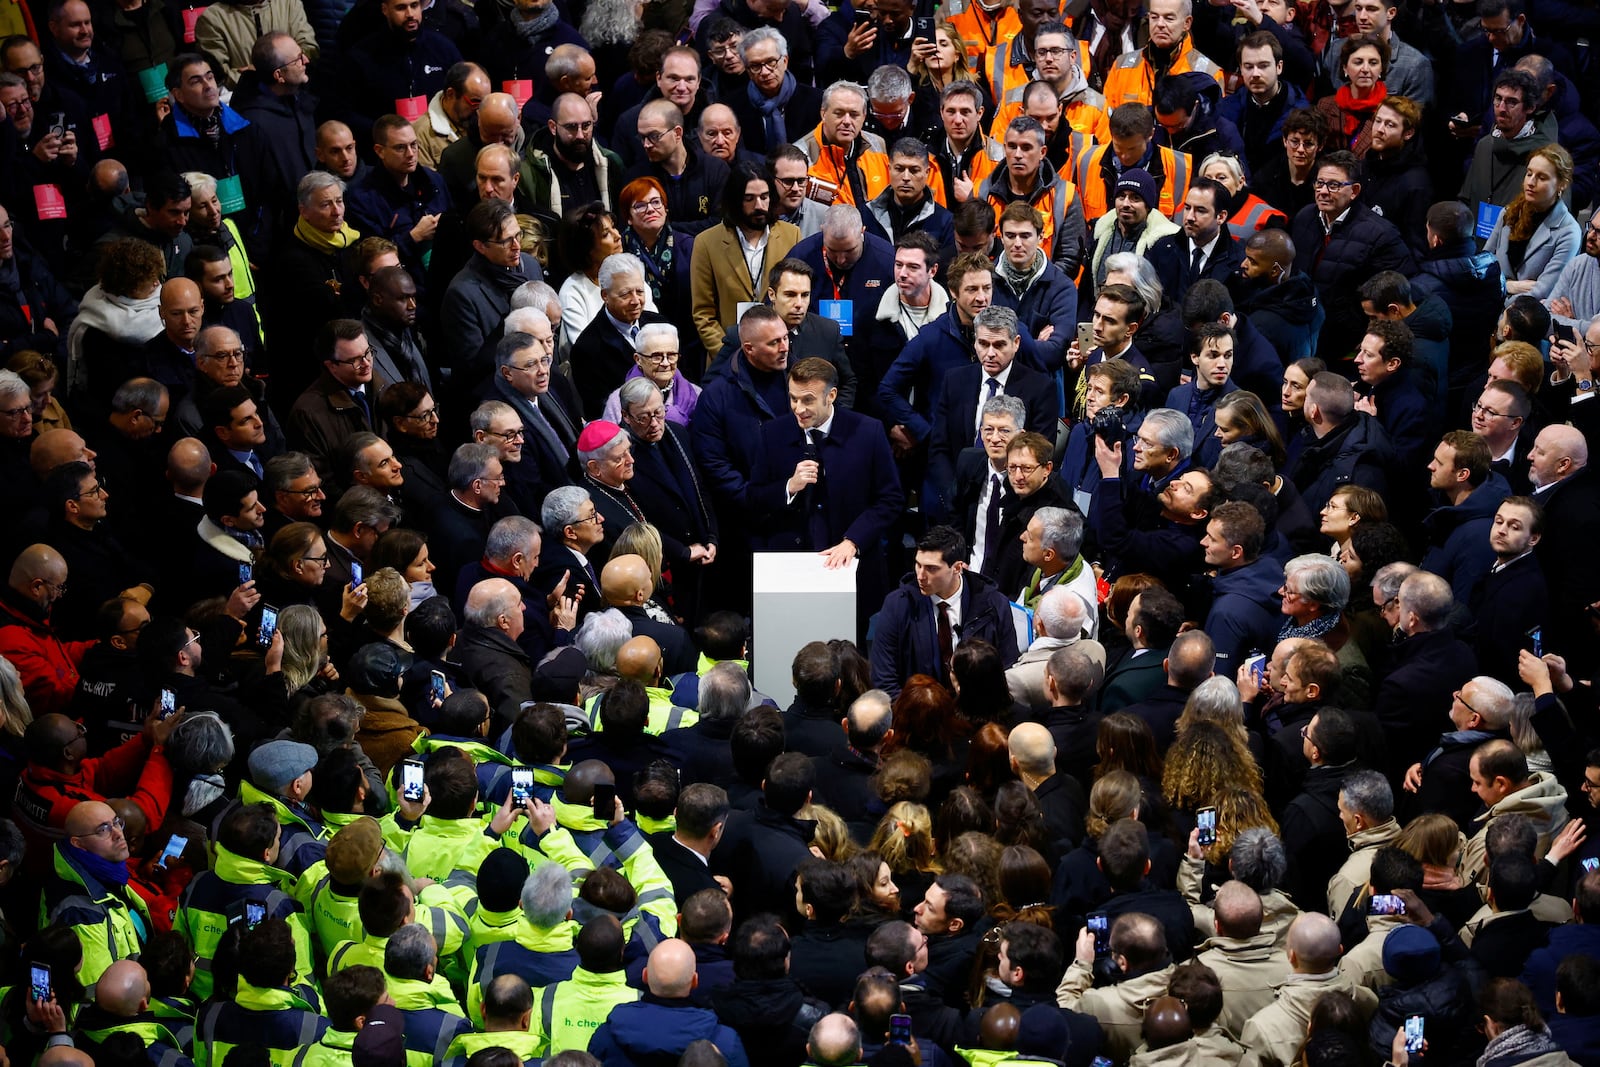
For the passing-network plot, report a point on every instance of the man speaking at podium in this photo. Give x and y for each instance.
(826, 482)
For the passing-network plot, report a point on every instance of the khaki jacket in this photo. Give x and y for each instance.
(228, 32)
(435, 132)
(719, 278)
(1249, 971)
(1543, 799)
(1352, 877)
(1274, 1034)
(1277, 910)
(1119, 1009)
(1209, 1048)
(1364, 963)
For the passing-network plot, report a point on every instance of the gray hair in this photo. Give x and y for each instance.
(1243, 464)
(200, 744)
(619, 263)
(518, 319)
(1190, 661)
(468, 463)
(138, 394)
(762, 35)
(1010, 406)
(508, 537)
(601, 453)
(1062, 613)
(889, 82)
(1389, 578)
(640, 390)
(206, 343)
(650, 332)
(1061, 530)
(1368, 793)
(1223, 159)
(724, 692)
(539, 295)
(12, 385)
(14, 708)
(485, 610)
(842, 220)
(1429, 597)
(410, 952)
(1322, 580)
(283, 469)
(506, 349)
(560, 508)
(1171, 429)
(201, 184)
(844, 86)
(313, 181)
(1216, 699)
(1145, 281)
(1258, 859)
(1496, 703)
(1074, 673)
(365, 506)
(484, 414)
(997, 317)
(599, 637)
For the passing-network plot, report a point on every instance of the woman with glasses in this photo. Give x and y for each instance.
(412, 416)
(292, 568)
(42, 376)
(1535, 237)
(657, 357)
(1363, 60)
(1347, 508)
(647, 232)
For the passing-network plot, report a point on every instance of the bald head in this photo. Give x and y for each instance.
(1564, 442)
(188, 466)
(578, 785)
(835, 1040)
(639, 659)
(998, 1030)
(663, 111)
(1190, 659)
(110, 177)
(178, 292)
(670, 971)
(123, 989)
(498, 119)
(1313, 944)
(53, 448)
(868, 720)
(1033, 749)
(1166, 1022)
(1238, 911)
(570, 107)
(489, 599)
(1271, 246)
(626, 581)
(37, 565)
(86, 816)
(64, 1056)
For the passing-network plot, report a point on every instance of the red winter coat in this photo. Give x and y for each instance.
(48, 666)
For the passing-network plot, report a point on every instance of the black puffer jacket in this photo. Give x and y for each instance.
(1361, 244)
(1400, 190)
(774, 1016)
(1445, 1002)
(1358, 452)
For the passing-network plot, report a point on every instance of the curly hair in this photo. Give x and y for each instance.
(1113, 797)
(832, 836)
(904, 838)
(903, 775)
(1238, 810)
(978, 857)
(128, 265)
(1205, 759)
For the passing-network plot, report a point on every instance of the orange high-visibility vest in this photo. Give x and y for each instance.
(983, 32)
(1175, 168)
(1253, 215)
(1132, 80)
(829, 164)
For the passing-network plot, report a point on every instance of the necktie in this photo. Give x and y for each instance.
(541, 426)
(255, 464)
(1194, 264)
(947, 640)
(633, 332)
(991, 521)
(815, 497)
(360, 397)
(559, 422)
(993, 386)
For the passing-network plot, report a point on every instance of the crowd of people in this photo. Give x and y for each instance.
(397, 394)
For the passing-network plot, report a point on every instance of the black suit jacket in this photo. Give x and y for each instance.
(972, 470)
(561, 410)
(860, 489)
(958, 407)
(678, 653)
(1172, 254)
(667, 487)
(601, 358)
(1005, 563)
(685, 869)
(556, 562)
(1571, 529)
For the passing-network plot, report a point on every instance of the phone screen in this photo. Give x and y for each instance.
(355, 573)
(169, 702)
(39, 979)
(1414, 1035)
(438, 685)
(246, 572)
(1100, 926)
(1536, 636)
(1592, 864)
(1206, 821)
(254, 913)
(521, 784)
(1258, 667)
(1564, 332)
(175, 846)
(411, 780)
(899, 1029)
(605, 802)
(1386, 904)
(269, 625)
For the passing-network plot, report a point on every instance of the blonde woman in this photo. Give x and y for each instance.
(13, 701)
(1536, 236)
(904, 838)
(832, 838)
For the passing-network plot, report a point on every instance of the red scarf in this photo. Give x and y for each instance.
(1354, 112)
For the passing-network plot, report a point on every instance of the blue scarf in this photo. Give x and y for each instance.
(771, 109)
(1316, 628)
(104, 871)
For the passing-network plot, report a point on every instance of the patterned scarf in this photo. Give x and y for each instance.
(1316, 628)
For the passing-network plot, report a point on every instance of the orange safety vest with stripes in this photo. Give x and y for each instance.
(1085, 113)
(1132, 80)
(1254, 214)
(1175, 168)
(985, 33)
(829, 164)
(1052, 204)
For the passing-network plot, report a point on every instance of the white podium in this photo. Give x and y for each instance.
(797, 601)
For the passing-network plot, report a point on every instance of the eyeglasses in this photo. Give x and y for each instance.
(409, 148)
(1464, 703)
(104, 828)
(93, 492)
(659, 357)
(1022, 469)
(790, 183)
(1329, 184)
(233, 355)
(532, 365)
(1305, 734)
(509, 436)
(763, 66)
(17, 413)
(19, 106)
(655, 202)
(365, 357)
(507, 241)
(1301, 143)
(301, 58)
(322, 559)
(193, 637)
(651, 137)
(308, 493)
(1490, 413)
(431, 415)
(1049, 53)
(157, 423)
(997, 431)
(596, 517)
(649, 418)
(573, 128)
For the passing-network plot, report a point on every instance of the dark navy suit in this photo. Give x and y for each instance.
(957, 413)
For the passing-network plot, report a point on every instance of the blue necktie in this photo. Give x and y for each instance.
(994, 388)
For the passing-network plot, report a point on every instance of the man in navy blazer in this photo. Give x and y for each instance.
(603, 353)
(909, 638)
(1205, 215)
(851, 264)
(825, 481)
(955, 421)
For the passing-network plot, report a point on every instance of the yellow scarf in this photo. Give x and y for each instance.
(324, 242)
